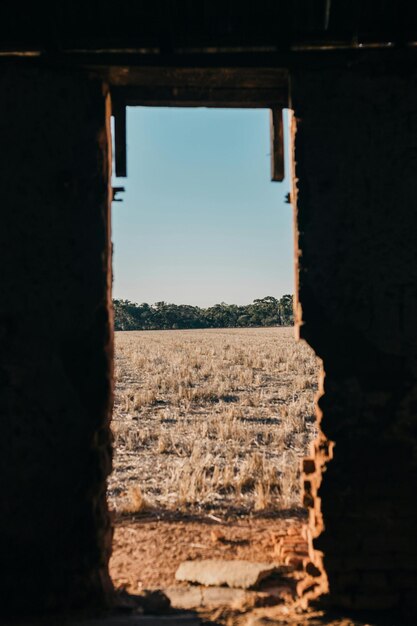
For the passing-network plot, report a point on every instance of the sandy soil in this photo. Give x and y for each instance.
(148, 551)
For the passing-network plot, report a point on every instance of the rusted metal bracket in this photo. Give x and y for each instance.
(277, 145)
(120, 141)
(117, 190)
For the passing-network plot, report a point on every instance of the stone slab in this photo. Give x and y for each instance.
(195, 597)
(216, 573)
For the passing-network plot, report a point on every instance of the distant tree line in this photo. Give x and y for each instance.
(268, 311)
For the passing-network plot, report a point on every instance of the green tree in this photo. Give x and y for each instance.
(268, 311)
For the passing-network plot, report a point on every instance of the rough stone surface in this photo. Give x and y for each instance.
(196, 597)
(356, 159)
(55, 340)
(213, 572)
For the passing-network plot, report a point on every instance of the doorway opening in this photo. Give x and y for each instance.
(214, 404)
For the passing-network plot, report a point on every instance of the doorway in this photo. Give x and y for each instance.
(214, 400)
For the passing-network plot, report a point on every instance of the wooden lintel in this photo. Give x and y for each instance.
(120, 141)
(204, 95)
(209, 87)
(277, 145)
(213, 78)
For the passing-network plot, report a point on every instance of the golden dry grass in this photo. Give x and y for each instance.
(211, 419)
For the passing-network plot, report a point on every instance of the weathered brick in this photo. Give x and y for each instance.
(356, 128)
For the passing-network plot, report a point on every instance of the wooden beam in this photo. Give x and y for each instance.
(277, 145)
(202, 96)
(198, 77)
(212, 87)
(120, 142)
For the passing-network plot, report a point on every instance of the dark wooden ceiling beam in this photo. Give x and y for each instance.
(226, 77)
(168, 24)
(221, 87)
(202, 96)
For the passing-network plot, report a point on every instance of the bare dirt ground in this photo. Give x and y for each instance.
(209, 429)
(172, 541)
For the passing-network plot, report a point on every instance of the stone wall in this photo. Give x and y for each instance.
(56, 341)
(356, 164)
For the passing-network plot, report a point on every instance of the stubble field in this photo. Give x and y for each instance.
(211, 421)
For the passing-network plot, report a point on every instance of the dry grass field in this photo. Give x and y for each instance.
(211, 421)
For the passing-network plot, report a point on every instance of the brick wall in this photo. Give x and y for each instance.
(55, 340)
(356, 164)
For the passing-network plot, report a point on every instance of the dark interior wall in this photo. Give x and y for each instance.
(356, 152)
(356, 155)
(56, 341)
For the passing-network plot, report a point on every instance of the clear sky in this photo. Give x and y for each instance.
(201, 222)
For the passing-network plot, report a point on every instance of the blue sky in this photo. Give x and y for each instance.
(200, 222)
